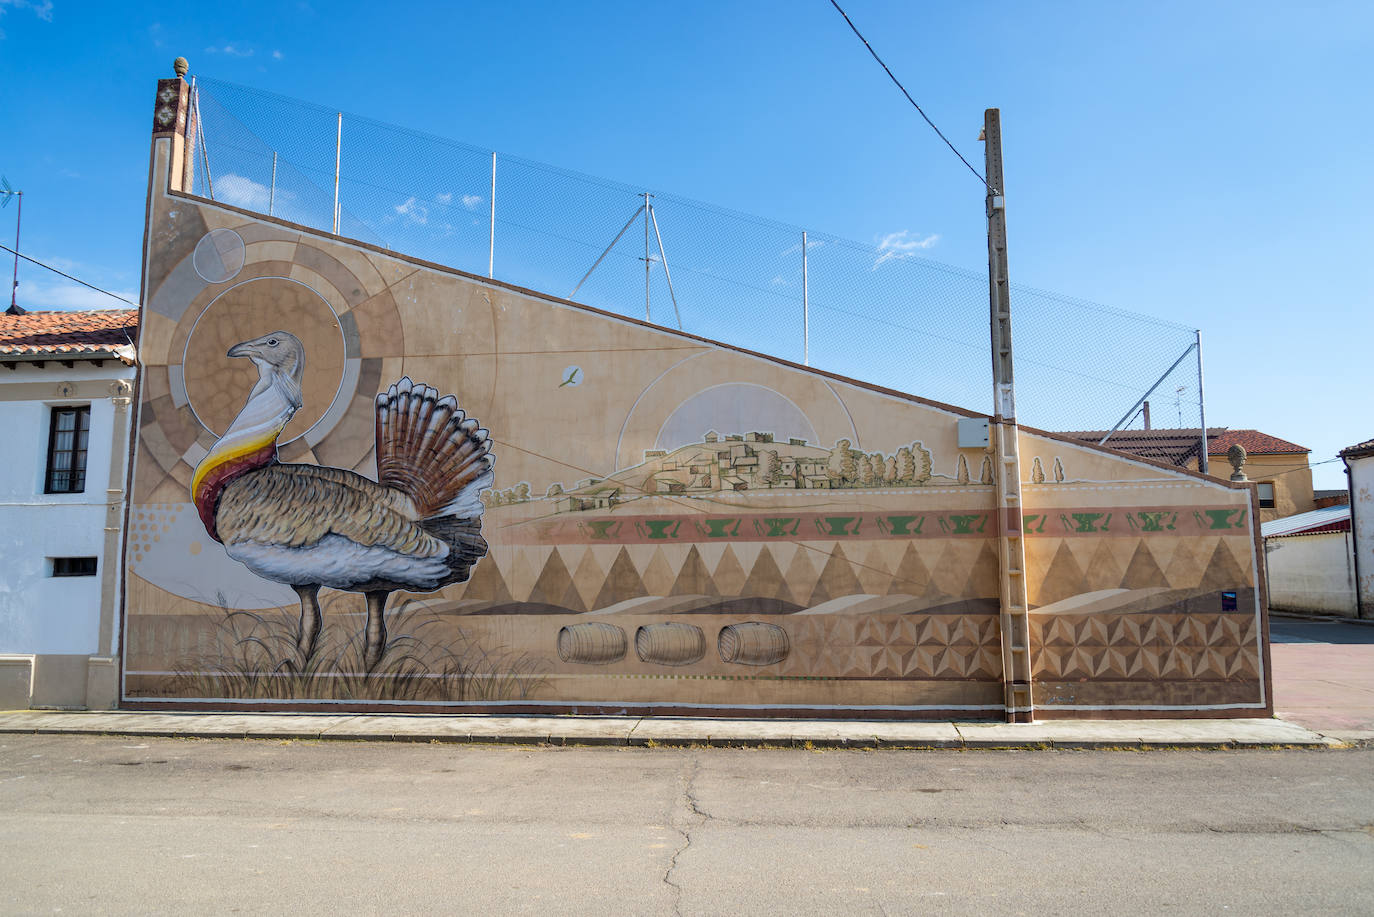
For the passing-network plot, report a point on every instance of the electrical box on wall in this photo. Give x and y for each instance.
(973, 433)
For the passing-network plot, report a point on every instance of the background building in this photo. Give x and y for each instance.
(1309, 564)
(1279, 469)
(1359, 466)
(65, 394)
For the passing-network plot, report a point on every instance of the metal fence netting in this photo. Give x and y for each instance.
(882, 313)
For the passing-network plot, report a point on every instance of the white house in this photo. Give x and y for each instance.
(66, 385)
(1359, 468)
(1309, 565)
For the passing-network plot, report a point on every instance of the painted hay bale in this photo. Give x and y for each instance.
(592, 643)
(752, 643)
(670, 643)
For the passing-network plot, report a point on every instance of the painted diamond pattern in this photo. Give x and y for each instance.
(1145, 647)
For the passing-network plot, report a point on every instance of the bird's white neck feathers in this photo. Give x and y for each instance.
(273, 402)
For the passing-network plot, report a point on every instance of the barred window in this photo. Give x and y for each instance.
(68, 433)
(73, 566)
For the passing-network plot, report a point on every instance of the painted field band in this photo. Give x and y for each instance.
(762, 527)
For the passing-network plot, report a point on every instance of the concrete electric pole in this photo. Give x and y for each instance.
(1015, 616)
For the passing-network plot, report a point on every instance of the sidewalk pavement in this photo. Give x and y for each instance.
(1324, 675)
(678, 731)
(1323, 691)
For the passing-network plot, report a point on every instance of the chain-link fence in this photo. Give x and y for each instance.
(881, 312)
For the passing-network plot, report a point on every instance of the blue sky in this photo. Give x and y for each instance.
(1206, 163)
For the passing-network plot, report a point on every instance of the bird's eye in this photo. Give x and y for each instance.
(271, 342)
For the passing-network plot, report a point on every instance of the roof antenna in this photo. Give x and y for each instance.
(6, 194)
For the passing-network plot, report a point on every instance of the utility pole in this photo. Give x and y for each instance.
(647, 263)
(10, 194)
(1014, 612)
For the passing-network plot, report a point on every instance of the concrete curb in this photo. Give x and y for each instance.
(1131, 735)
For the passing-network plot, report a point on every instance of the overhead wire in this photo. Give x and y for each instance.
(69, 276)
(899, 85)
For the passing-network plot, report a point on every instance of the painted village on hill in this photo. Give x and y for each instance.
(751, 462)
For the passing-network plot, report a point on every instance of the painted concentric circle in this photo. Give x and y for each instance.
(218, 385)
(219, 256)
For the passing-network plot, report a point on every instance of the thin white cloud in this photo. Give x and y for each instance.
(445, 198)
(470, 201)
(897, 246)
(778, 281)
(66, 265)
(242, 192)
(811, 245)
(231, 50)
(277, 55)
(60, 294)
(414, 211)
(41, 9)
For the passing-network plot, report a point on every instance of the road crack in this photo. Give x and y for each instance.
(686, 817)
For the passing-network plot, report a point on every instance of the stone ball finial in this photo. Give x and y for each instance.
(180, 66)
(1236, 455)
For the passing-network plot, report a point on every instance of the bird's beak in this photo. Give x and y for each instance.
(241, 350)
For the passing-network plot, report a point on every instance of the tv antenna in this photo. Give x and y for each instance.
(647, 210)
(6, 195)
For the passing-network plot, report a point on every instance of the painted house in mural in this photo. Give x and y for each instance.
(65, 396)
(689, 528)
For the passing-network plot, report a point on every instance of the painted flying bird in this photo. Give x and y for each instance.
(417, 527)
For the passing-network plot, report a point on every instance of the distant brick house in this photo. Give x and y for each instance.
(1278, 467)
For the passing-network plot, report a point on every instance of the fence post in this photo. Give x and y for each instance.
(1201, 405)
(272, 192)
(806, 309)
(491, 239)
(338, 146)
(647, 264)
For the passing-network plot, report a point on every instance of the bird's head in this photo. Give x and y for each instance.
(279, 352)
(280, 359)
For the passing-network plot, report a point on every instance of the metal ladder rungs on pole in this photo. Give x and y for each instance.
(1014, 616)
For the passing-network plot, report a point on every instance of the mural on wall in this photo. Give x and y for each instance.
(672, 526)
(418, 527)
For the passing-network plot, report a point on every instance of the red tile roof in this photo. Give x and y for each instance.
(1180, 447)
(108, 332)
(1253, 441)
(1173, 447)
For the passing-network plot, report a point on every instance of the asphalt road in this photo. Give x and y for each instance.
(117, 825)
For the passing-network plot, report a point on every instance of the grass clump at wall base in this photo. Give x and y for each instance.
(256, 656)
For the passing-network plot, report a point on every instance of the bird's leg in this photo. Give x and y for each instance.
(311, 620)
(376, 629)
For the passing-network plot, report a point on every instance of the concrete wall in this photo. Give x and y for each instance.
(1311, 573)
(61, 621)
(1362, 523)
(639, 556)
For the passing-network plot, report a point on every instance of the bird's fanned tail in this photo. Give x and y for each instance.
(431, 451)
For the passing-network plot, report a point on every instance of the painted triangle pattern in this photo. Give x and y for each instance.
(1147, 647)
(899, 646)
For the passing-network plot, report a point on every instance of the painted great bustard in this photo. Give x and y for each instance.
(417, 527)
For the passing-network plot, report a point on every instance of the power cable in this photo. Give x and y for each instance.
(907, 94)
(69, 276)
